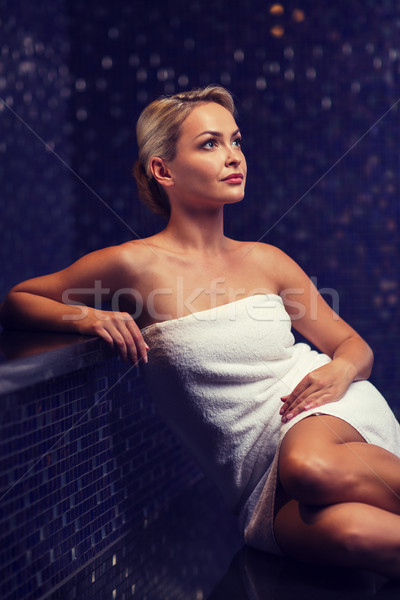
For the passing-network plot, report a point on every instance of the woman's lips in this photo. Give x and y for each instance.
(234, 178)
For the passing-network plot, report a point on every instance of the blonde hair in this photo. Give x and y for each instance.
(158, 130)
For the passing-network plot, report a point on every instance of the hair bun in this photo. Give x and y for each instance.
(150, 192)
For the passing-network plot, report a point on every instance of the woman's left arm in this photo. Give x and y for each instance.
(313, 318)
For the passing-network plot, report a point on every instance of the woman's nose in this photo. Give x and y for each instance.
(232, 158)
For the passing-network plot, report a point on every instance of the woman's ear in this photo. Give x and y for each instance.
(161, 172)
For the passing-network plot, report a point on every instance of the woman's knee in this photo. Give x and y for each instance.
(337, 534)
(313, 466)
(312, 477)
(362, 544)
(352, 539)
(301, 476)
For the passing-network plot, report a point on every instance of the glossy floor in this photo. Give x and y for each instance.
(194, 552)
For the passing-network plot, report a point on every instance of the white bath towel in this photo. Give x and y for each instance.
(217, 377)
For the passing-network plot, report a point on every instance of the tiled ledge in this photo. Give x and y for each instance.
(28, 358)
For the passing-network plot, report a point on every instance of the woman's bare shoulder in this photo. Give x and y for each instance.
(115, 265)
(272, 262)
(264, 251)
(135, 253)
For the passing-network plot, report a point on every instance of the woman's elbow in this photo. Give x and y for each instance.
(371, 359)
(10, 308)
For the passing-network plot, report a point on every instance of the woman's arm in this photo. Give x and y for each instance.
(47, 303)
(311, 316)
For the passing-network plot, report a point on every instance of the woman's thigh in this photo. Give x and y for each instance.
(324, 460)
(321, 430)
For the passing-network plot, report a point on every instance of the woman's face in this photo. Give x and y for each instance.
(209, 168)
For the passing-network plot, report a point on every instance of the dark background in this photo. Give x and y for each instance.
(317, 88)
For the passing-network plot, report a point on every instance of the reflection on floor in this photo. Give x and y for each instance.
(194, 552)
(253, 575)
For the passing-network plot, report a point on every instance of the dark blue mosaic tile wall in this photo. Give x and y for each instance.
(318, 94)
(84, 461)
(36, 196)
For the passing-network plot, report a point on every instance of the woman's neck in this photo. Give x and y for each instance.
(201, 233)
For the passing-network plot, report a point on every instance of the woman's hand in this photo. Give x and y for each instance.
(326, 384)
(119, 330)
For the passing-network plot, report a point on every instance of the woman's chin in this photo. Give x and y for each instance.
(234, 199)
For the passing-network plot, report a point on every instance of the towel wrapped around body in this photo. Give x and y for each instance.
(217, 377)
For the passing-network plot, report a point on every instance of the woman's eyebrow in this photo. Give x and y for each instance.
(216, 133)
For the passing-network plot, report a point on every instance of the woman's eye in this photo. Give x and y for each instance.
(210, 144)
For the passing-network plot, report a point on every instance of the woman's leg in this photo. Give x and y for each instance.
(323, 460)
(338, 498)
(345, 534)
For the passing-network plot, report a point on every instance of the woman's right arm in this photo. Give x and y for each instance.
(48, 302)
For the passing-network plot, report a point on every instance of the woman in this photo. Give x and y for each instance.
(301, 447)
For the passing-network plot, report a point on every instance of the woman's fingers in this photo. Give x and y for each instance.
(300, 393)
(131, 343)
(296, 395)
(319, 387)
(310, 401)
(137, 347)
(121, 331)
(294, 404)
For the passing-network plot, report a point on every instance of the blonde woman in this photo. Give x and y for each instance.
(303, 449)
